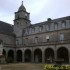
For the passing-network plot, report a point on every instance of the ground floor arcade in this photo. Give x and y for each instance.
(38, 55)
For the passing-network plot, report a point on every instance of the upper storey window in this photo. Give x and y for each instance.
(55, 26)
(47, 38)
(61, 37)
(17, 42)
(36, 39)
(63, 24)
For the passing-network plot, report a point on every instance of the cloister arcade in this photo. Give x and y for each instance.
(37, 55)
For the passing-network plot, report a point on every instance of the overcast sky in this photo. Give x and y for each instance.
(39, 10)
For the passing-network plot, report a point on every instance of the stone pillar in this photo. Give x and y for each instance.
(32, 56)
(6, 54)
(69, 54)
(23, 56)
(43, 57)
(15, 56)
(55, 53)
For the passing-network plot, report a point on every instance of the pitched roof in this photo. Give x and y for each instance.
(6, 28)
(49, 21)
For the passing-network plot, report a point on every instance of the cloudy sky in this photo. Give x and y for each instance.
(39, 10)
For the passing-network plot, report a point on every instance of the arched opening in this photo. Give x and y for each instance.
(19, 56)
(49, 55)
(62, 53)
(10, 56)
(4, 52)
(27, 56)
(37, 56)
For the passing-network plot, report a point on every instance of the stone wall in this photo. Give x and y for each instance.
(7, 39)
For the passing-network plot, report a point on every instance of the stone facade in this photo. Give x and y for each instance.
(37, 42)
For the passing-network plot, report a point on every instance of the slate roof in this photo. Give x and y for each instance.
(22, 8)
(6, 28)
(50, 21)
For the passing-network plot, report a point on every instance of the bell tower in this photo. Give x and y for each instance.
(21, 21)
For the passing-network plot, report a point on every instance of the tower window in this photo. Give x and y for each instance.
(26, 23)
(25, 15)
(18, 17)
(17, 23)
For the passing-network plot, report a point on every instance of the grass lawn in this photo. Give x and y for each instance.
(22, 66)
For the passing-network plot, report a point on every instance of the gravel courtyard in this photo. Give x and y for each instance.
(22, 66)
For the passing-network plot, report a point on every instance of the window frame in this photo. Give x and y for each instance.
(55, 26)
(63, 24)
(47, 38)
(61, 37)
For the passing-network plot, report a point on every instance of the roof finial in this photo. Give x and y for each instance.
(22, 2)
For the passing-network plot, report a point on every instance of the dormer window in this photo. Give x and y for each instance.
(55, 26)
(40, 28)
(63, 24)
(47, 27)
(33, 29)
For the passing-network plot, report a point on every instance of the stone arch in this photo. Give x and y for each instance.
(19, 56)
(11, 55)
(62, 53)
(27, 55)
(49, 55)
(37, 55)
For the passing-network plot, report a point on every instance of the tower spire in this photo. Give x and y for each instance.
(22, 2)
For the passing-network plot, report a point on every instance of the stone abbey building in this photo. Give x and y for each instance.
(26, 42)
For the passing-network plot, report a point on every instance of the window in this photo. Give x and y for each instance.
(26, 40)
(32, 30)
(47, 38)
(17, 23)
(26, 23)
(40, 28)
(25, 15)
(61, 37)
(63, 24)
(47, 27)
(18, 17)
(55, 26)
(36, 39)
(17, 42)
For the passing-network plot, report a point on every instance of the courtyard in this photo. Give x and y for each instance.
(22, 66)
